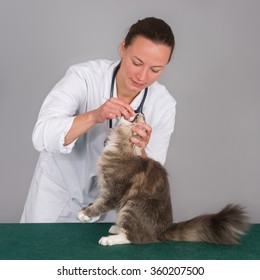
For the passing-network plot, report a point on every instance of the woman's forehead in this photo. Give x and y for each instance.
(145, 49)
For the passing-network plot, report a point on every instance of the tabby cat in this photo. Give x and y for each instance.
(138, 189)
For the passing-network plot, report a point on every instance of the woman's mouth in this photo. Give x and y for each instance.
(136, 84)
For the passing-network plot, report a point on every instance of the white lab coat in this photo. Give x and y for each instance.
(65, 178)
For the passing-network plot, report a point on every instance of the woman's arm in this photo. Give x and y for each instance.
(109, 110)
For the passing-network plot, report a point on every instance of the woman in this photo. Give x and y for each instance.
(75, 117)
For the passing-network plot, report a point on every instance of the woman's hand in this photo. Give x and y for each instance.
(113, 108)
(143, 130)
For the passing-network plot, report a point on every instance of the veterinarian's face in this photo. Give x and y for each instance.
(143, 62)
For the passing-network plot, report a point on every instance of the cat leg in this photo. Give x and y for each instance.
(82, 216)
(117, 239)
(98, 207)
(114, 230)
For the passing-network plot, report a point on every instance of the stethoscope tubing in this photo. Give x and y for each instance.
(140, 107)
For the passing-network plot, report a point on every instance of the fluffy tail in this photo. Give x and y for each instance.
(225, 227)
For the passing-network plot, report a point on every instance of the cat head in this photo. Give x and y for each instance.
(139, 117)
(119, 136)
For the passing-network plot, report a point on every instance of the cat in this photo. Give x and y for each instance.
(138, 188)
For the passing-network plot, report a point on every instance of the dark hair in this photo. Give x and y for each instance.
(153, 29)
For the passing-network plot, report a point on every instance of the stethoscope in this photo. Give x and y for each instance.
(139, 110)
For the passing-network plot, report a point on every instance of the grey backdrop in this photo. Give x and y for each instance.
(214, 156)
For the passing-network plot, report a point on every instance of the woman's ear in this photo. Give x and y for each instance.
(122, 49)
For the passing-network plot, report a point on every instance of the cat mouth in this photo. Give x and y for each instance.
(137, 117)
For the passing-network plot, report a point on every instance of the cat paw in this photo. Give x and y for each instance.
(114, 230)
(82, 216)
(114, 240)
(104, 241)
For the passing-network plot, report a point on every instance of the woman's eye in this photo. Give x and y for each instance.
(137, 63)
(155, 70)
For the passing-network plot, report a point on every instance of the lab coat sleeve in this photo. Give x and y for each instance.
(161, 135)
(58, 112)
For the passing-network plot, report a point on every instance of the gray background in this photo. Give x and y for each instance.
(214, 156)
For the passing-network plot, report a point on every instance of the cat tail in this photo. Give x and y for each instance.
(225, 227)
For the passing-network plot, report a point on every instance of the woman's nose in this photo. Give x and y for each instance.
(141, 75)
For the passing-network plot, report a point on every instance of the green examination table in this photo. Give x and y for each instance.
(80, 242)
